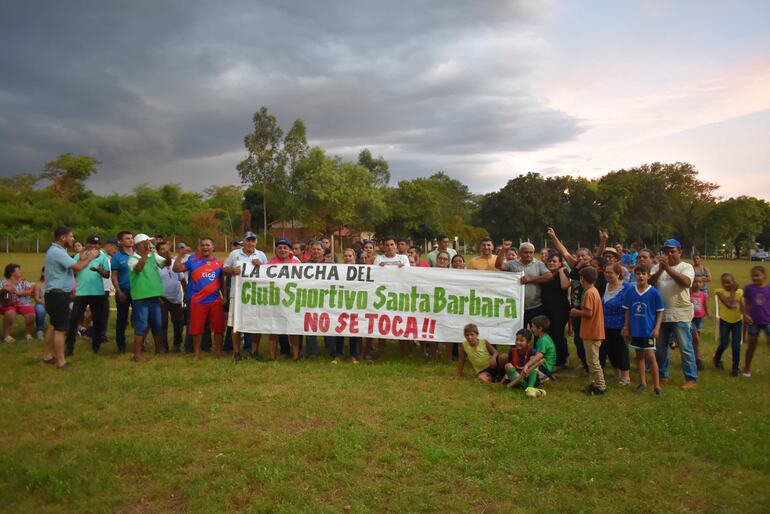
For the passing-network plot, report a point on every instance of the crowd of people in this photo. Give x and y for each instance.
(609, 299)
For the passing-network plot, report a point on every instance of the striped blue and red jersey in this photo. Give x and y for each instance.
(204, 279)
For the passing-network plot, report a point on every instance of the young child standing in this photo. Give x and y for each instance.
(756, 308)
(591, 318)
(483, 356)
(730, 321)
(700, 304)
(644, 313)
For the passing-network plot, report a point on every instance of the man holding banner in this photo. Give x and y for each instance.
(249, 257)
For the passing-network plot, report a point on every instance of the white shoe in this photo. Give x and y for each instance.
(39, 335)
(747, 374)
(9, 339)
(28, 337)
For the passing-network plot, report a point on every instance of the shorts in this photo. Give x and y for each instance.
(496, 373)
(642, 343)
(57, 306)
(199, 312)
(19, 308)
(756, 328)
(696, 325)
(147, 313)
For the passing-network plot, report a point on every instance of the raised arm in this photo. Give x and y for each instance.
(500, 261)
(571, 259)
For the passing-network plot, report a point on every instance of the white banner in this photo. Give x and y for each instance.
(424, 304)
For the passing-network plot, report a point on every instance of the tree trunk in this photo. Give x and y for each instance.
(264, 208)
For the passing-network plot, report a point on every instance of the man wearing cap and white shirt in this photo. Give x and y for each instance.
(89, 292)
(249, 256)
(673, 278)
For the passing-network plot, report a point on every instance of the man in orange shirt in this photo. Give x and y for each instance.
(591, 317)
(486, 259)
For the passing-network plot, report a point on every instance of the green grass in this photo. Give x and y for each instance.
(176, 436)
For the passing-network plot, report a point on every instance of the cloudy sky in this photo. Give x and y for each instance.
(164, 91)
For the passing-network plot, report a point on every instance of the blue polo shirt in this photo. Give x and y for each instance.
(119, 264)
(58, 269)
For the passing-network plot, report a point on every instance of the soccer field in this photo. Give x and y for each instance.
(172, 435)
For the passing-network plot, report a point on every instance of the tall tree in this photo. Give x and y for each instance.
(739, 220)
(68, 172)
(264, 164)
(379, 167)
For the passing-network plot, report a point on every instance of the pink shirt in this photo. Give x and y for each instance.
(699, 304)
(276, 260)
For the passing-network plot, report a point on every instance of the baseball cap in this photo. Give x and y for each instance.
(249, 235)
(93, 239)
(112, 241)
(181, 245)
(672, 243)
(141, 238)
(283, 241)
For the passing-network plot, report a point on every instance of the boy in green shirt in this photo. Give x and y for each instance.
(541, 358)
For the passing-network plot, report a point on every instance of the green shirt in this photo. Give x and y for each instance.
(545, 346)
(479, 356)
(146, 283)
(88, 281)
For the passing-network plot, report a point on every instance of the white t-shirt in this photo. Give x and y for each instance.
(108, 281)
(391, 261)
(172, 283)
(237, 259)
(675, 297)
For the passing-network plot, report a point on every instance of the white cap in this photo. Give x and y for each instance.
(141, 238)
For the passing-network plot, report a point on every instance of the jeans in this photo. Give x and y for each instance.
(726, 331)
(121, 322)
(312, 345)
(174, 311)
(40, 317)
(340, 346)
(581, 352)
(682, 331)
(96, 303)
(147, 315)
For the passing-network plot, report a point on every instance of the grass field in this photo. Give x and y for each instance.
(404, 436)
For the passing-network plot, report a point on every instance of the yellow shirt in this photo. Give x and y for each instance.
(479, 356)
(483, 263)
(725, 312)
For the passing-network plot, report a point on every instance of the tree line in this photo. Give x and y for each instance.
(284, 178)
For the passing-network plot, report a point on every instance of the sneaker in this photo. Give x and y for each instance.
(9, 339)
(734, 373)
(237, 357)
(530, 392)
(39, 335)
(717, 363)
(353, 360)
(747, 374)
(28, 337)
(336, 360)
(541, 393)
(588, 388)
(658, 391)
(690, 384)
(640, 388)
(595, 391)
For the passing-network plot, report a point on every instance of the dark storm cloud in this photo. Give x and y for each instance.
(158, 91)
